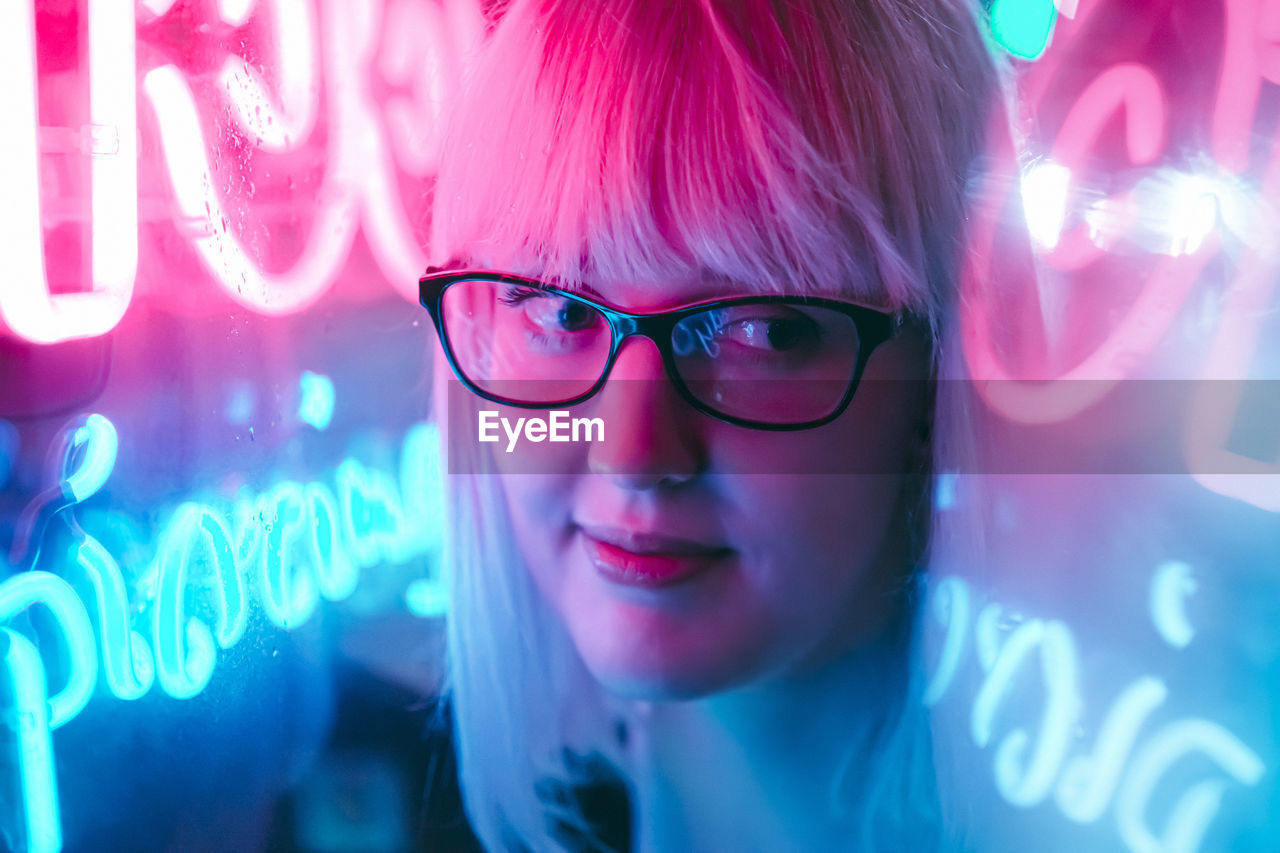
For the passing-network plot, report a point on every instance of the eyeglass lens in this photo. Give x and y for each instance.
(765, 362)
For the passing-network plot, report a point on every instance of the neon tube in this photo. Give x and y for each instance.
(1088, 782)
(1195, 809)
(38, 784)
(223, 255)
(288, 592)
(127, 662)
(26, 305)
(276, 125)
(27, 589)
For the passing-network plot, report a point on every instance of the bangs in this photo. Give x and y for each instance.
(602, 141)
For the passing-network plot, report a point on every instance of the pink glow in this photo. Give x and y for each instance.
(276, 125)
(360, 185)
(376, 76)
(222, 253)
(1128, 87)
(1251, 54)
(1197, 205)
(27, 306)
(1212, 416)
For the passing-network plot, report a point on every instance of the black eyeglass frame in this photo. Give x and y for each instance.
(874, 326)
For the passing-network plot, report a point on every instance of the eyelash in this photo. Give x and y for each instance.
(515, 294)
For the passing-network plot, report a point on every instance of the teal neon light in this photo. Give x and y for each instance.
(1089, 782)
(950, 604)
(287, 586)
(336, 574)
(127, 662)
(96, 440)
(1129, 771)
(31, 588)
(1023, 27)
(186, 651)
(285, 549)
(315, 399)
(37, 780)
(428, 599)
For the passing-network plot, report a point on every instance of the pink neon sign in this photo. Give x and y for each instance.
(357, 87)
(27, 305)
(1224, 212)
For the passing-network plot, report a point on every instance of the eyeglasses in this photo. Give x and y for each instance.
(766, 362)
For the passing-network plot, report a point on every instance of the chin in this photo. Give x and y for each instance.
(673, 676)
(648, 688)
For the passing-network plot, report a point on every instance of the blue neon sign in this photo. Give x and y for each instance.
(283, 550)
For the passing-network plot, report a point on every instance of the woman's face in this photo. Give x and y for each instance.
(688, 556)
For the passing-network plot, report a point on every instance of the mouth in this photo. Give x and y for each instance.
(648, 560)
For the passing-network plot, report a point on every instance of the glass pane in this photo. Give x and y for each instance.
(525, 344)
(768, 362)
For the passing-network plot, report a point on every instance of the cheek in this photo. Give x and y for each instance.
(821, 561)
(540, 507)
(815, 530)
(538, 504)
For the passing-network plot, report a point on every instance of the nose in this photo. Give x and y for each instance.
(652, 436)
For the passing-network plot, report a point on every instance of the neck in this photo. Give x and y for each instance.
(773, 765)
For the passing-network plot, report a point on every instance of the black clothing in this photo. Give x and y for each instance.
(594, 788)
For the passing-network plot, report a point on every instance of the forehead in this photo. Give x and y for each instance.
(637, 164)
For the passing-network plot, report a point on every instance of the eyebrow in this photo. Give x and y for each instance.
(707, 277)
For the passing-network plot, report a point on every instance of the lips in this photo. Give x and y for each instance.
(645, 559)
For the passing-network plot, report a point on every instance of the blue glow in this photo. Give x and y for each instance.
(336, 575)
(1004, 665)
(951, 607)
(24, 590)
(289, 594)
(195, 538)
(127, 664)
(98, 443)
(39, 786)
(423, 487)
(316, 397)
(1027, 785)
(1128, 763)
(1088, 782)
(1025, 782)
(293, 544)
(944, 490)
(8, 450)
(372, 515)
(427, 597)
(185, 651)
(1171, 586)
(986, 635)
(1194, 810)
(84, 456)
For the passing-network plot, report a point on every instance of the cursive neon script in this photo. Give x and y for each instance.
(284, 549)
(327, 59)
(1128, 759)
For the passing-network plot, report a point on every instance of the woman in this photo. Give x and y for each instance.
(715, 603)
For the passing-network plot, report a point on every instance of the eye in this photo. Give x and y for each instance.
(551, 313)
(771, 329)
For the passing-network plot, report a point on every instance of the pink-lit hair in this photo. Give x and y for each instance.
(792, 146)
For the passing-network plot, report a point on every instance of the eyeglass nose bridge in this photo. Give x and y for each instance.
(656, 328)
(625, 326)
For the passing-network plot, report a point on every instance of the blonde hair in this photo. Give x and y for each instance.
(781, 146)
